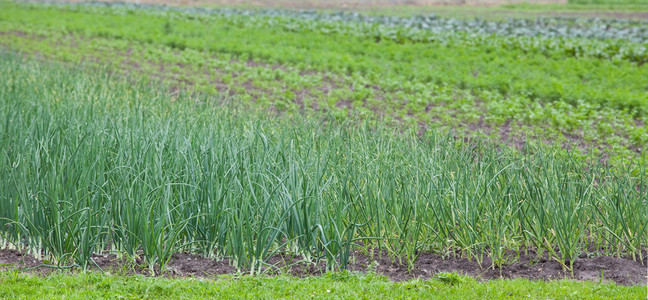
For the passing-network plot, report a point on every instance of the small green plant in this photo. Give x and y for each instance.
(451, 278)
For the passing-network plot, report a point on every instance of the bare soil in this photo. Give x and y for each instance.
(624, 271)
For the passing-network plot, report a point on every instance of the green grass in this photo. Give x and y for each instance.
(334, 285)
(89, 162)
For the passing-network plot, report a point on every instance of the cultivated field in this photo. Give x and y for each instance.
(193, 141)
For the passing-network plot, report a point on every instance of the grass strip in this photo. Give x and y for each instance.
(332, 285)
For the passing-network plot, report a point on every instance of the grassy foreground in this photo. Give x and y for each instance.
(330, 286)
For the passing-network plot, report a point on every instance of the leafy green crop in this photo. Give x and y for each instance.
(631, 30)
(387, 59)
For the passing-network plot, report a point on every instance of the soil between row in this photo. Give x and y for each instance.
(623, 271)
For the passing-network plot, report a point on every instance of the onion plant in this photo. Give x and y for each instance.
(91, 163)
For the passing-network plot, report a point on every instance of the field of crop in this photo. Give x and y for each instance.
(276, 140)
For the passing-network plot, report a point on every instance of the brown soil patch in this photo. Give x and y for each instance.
(622, 271)
(15, 259)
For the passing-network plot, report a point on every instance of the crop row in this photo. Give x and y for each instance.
(615, 49)
(285, 88)
(556, 27)
(315, 78)
(556, 77)
(90, 164)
